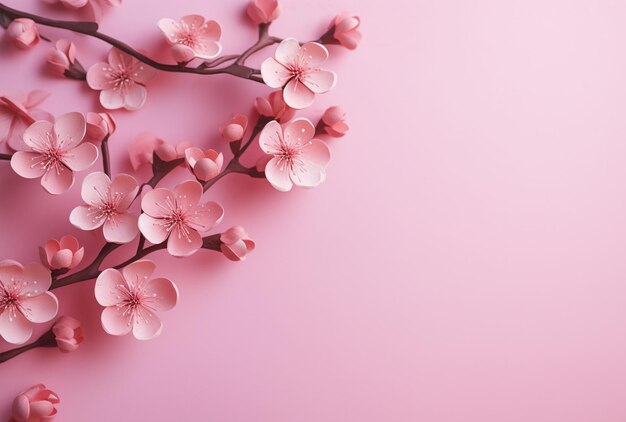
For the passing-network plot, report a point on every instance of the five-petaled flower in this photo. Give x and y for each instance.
(297, 157)
(179, 216)
(107, 207)
(192, 37)
(297, 69)
(19, 112)
(121, 81)
(24, 299)
(131, 299)
(36, 404)
(56, 152)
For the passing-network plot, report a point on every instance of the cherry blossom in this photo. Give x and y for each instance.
(236, 244)
(297, 157)
(205, 165)
(17, 113)
(274, 106)
(68, 334)
(99, 126)
(121, 81)
(235, 128)
(334, 122)
(64, 253)
(178, 216)
(297, 69)
(347, 30)
(56, 152)
(24, 299)
(107, 206)
(35, 404)
(23, 33)
(62, 56)
(263, 11)
(192, 37)
(131, 299)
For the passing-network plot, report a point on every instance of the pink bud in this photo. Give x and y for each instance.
(99, 126)
(35, 404)
(274, 106)
(347, 30)
(334, 120)
(205, 165)
(68, 334)
(236, 244)
(65, 253)
(23, 32)
(235, 129)
(62, 56)
(263, 11)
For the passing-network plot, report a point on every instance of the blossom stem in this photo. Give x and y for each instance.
(47, 339)
(106, 162)
(218, 61)
(6, 157)
(264, 40)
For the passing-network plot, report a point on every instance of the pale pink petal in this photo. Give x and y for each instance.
(108, 284)
(135, 97)
(69, 242)
(147, 326)
(308, 174)
(188, 194)
(120, 60)
(278, 175)
(235, 251)
(297, 95)
(156, 202)
(38, 134)
(94, 188)
(70, 130)
(15, 136)
(58, 180)
(111, 99)
(41, 308)
(163, 294)
(152, 228)
(121, 229)
(193, 155)
(15, 330)
(208, 49)
(184, 244)
(125, 185)
(142, 73)
(138, 271)
(234, 234)
(10, 269)
(300, 131)
(317, 152)
(275, 74)
(82, 157)
(36, 97)
(320, 81)
(116, 320)
(84, 217)
(36, 279)
(170, 29)
(313, 54)
(287, 51)
(270, 137)
(206, 169)
(182, 53)
(50, 248)
(40, 410)
(27, 164)
(211, 31)
(78, 257)
(206, 216)
(193, 21)
(98, 76)
(61, 259)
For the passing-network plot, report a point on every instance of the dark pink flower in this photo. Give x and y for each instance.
(68, 334)
(179, 216)
(263, 11)
(24, 299)
(23, 32)
(297, 69)
(236, 244)
(19, 112)
(131, 299)
(35, 405)
(65, 253)
(274, 106)
(205, 165)
(192, 37)
(347, 30)
(334, 122)
(121, 82)
(56, 152)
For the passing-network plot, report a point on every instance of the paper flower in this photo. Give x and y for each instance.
(68, 334)
(297, 69)
(35, 405)
(334, 122)
(142, 148)
(95, 6)
(24, 299)
(234, 130)
(62, 56)
(121, 81)
(99, 126)
(236, 244)
(192, 37)
(19, 112)
(274, 106)
(131, 299)
(65, 253)
(263, 11)
(107, 207)
(205, 165)
(347, 30)
(23, 33)
(56, 152)
(178, 216)
(297, 157)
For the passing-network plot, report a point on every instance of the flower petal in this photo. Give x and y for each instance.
(300, 131)
(313, 54)
(116, 320)
(38, 135)
(142, 73)
(184, 244)
(170, 29)
(278, 175)
(120, 60)
(70, 130)
(270, 137)
(208, 49)
(188, 194)
(126, 185)
(84, 217)
(206, 216)
(307, 174)
(157, 202)
(152, 229)
(287, 51)
(121, 229)
(193, 22)
(107, 287)
(27, 164)
(98, 76)
(297, 95)
(163, 294)
(15, 330)
(82, 157)
(320, 81)
(58, 180)
(95, 187)
(147, 326)
(61, 259)
(274, 73)
(111, 99)
(41, 308)
(36, 279)
(138, 271)
(211, 30)
(135, 97)
(317, 152)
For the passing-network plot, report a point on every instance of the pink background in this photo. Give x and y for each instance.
(464, 260)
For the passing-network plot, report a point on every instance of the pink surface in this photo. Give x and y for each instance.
(464, 260)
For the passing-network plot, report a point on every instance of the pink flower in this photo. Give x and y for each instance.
(141, 150)
(99, 126)
(347, 30)
(298, 70)
(192, 37)
(107, 207)
(23, 32)
(68, 334)
(17, 113)
(131, 299)
(121, 81)
(168, 152)
(178, 215)
(334, 122)
(95, 6)
(205, 165)
(70, 4)
(298, 158)
(56, 152)
(234, 130)
(65, 253)
(263, 11)
(62, 56)
(236, 243)
(274, 107)
(24, 299)
(35, 405)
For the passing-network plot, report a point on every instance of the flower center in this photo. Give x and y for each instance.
(107, 207)
(297, 71)
(10, 297)
(135, 302)
(50, 156)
